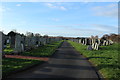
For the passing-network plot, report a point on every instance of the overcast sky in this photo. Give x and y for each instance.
(70, 19)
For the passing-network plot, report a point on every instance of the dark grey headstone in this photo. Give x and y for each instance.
(89, 47)
(1, 43)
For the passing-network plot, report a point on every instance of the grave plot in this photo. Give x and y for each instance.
(16, 43)
(105, 59)
(29, 45)
(44, 51)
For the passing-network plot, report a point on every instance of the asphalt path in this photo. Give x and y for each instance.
(65, 63)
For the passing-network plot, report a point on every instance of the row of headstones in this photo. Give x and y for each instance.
(33, 42)
(21, 43)
(93, 43)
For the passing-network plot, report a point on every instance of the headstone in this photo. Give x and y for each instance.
(93, 45)
(33, 42)
(89, 41)
(40, 41)
(43, 41)
(1, 52)
(19, 44)
(107, 43)
(22, 47)
(85, 41)
(96, 46)
(12, 39)
(79, 41)
(111, 42)
(27, 43)
(89, 47)
(99, 42)
(30, 42)
(104, 43)
(1, 44)
(8, 41)
(93, 41)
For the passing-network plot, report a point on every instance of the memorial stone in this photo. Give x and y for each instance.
(19, 44)
(96, 46)
(89, 47)
(1, 44)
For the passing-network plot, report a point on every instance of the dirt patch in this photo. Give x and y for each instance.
(27, 57)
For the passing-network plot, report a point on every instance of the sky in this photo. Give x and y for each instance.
(68, 19)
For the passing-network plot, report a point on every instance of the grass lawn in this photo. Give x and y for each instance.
(105, 59)
(8, 50)
(11, 64)
(45, 51)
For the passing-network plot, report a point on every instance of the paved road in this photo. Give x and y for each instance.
(65, 63)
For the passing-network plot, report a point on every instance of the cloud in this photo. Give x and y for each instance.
(56, 6)
(82, 28)
(51, 5)
(102, 27)
(110, 10)
(18, 5)
(62, 8)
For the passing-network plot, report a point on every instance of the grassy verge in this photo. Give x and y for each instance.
(10, 65)
(105, 59)
(45, 51)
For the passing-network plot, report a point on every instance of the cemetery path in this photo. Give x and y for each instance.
(65, 63)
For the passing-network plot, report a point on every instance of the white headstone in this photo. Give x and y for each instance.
(19, 46)
(85, 41)
(96, 46)
(93, 45)
(107, 43)
(104, 43)
(79, 41)
(111, 42)
(99, 42)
